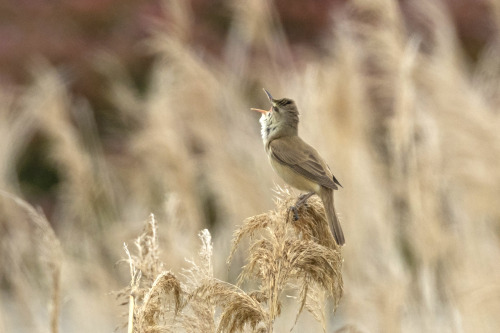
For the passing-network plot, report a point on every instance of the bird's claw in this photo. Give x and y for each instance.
(295, 212)
(301, 201)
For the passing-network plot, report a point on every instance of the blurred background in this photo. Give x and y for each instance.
(114, 109)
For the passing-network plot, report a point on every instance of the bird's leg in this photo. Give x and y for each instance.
(300, 201)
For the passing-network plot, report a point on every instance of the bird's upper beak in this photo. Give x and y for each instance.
(268, 95)
(270, 100)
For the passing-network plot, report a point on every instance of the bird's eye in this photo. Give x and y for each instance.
(275, 109)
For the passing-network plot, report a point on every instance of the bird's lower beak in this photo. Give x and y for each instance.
(260, 110)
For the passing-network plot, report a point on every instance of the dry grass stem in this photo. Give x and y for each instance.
(51, 254)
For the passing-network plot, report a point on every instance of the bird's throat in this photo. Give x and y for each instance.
(267, 128)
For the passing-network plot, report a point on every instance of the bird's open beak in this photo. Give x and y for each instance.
(270, 100)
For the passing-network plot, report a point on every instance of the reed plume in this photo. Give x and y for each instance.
(298, 257)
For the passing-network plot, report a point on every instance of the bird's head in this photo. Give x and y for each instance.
(282, 118)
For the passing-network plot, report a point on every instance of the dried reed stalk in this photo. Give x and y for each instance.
(50, 252)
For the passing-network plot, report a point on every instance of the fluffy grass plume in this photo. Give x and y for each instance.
(294, 253)
(299, 257)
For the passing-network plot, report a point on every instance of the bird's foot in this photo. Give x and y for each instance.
(302, 200)
(295, 213)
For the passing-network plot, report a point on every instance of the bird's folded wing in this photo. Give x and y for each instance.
(302, 158)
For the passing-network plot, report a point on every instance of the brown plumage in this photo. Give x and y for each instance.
(296, 162)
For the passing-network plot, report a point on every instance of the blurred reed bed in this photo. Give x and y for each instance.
(409, 128)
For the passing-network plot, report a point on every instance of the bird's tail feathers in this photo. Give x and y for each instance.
(333, 220)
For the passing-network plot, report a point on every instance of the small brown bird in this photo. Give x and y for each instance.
(296, 162)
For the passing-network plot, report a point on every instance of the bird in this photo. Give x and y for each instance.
(296, 162)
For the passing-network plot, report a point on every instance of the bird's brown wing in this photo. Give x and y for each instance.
(302, 158)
